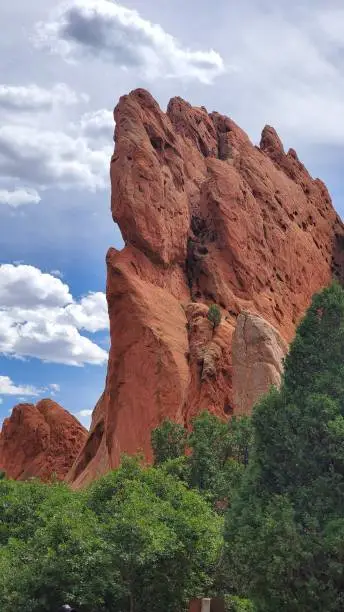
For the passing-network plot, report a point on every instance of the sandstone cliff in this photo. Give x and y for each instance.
(257, 354)
(40, 441)
(206, 217)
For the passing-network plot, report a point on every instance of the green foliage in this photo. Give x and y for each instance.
(19, 505)
(54, 553)
(236, 604)
(168, 441)
(315, 363)
(121, 544)
(214, 315)
(161, 534)
(178, 468)
(284, 531)
(208, 441)
(218, 454)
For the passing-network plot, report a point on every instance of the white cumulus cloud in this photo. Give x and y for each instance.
(8, 387)
(52, 158)
(40, 318)
(117, 34)
(28, 287)
(34, 98)
(90, 313)
(19, 197)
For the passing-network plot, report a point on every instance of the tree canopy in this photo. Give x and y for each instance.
(135, 540)
(217, 454)
(285, 529)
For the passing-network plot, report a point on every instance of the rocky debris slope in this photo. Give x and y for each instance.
(206, 218)
(40, 441)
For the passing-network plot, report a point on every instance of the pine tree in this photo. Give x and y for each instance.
(285, 530)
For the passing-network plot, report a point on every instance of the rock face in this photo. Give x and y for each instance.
(257, 354)
(40, 441)
(206, 218)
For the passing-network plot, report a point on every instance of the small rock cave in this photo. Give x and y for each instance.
(228, 409)
(196, 252)
(157, 143)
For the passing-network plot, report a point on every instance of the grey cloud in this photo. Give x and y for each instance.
(33, 98)
(115, 33)
(97, 126)
(97, 34)
(46, 158)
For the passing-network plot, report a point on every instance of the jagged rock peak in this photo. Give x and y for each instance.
(270, 141)
(206, 218)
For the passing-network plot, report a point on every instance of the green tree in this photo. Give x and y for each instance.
(136, 540)
(214, 315)
(164, 540)
(209, 443)
(63, 559)
(168, 441)
(19, 508)
(284, 530)
(315, 363)
(217, 453)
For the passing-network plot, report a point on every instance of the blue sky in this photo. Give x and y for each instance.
(63, 67)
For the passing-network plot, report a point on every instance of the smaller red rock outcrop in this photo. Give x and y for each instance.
(40, 441)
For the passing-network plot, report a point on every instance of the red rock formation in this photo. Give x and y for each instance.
(257, 359)
(40, 441)
(206, 217)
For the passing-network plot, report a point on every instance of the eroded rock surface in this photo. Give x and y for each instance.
(206, 218)
(258, 351)
(40, 441)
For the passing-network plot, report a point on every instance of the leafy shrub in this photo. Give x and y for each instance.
(168, 441)
(214, 315)
(236, 604)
